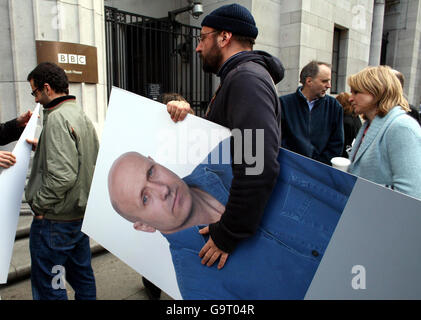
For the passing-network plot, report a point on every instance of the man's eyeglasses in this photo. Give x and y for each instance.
(34, 93)
(202, 36)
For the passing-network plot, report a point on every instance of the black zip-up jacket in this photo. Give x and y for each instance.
(9, 132)
(247, 99)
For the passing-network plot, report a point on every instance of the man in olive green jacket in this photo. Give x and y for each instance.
(58, 190)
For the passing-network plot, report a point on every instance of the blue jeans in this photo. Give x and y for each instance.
(59, 248)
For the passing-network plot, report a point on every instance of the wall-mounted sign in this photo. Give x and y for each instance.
(153, 90)
(78, 61)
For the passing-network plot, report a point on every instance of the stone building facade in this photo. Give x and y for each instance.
(350, 34)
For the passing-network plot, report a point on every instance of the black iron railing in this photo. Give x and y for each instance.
(151, 56)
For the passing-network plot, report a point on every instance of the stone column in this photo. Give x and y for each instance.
(407, 58)
(24, 22)
(377, 32)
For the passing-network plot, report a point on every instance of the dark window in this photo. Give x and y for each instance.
(383, 52)
(339, 59)
(335, 59)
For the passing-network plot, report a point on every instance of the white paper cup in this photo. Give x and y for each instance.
(340, 163)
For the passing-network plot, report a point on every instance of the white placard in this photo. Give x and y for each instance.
(135, 123)
(12, 184)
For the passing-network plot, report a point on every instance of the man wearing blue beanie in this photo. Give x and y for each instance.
(246, 100)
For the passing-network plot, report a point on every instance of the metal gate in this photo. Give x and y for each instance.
(151, 56)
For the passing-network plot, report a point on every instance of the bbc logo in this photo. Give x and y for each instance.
(71, 58)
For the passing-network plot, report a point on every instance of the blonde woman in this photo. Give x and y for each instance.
(387, 149)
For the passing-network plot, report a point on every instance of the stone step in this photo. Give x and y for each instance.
(20, 266)
(24, 225)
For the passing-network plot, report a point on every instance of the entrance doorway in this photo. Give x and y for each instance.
(151, 56)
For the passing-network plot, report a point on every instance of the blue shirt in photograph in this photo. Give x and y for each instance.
(280, 260)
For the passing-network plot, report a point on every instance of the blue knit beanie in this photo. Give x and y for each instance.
(233, 18)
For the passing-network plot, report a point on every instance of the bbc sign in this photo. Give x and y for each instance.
(77, 60)
(71, 58)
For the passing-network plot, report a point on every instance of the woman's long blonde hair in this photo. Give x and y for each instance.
(383, 85)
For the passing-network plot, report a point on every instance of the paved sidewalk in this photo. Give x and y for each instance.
(114, 281)
(20, 265)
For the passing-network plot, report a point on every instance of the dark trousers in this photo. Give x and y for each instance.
(59, 251)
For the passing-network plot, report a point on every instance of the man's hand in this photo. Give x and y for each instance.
(23, 119)
(7, 159)
(210, 252)
(34, 143)
(178, 110)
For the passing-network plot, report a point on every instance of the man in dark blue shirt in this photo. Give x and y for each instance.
(312, 121)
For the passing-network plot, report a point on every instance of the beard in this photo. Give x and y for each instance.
(213, 59)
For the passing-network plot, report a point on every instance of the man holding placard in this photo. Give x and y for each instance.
(247, 103)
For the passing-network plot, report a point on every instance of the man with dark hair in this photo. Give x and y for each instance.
(414, 113)
(312, 121)
(246, 101)
(11, 131)
(58, 190)
(49, 73)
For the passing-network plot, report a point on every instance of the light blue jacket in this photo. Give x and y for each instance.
(390, 153)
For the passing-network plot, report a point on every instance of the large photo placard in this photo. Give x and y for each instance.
(143, 200)
(140, 140)
(138, 124)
